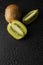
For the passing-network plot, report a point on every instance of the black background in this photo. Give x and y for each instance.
(27, 51)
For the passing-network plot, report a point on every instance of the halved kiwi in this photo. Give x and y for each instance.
(30, 16)
(17, 29)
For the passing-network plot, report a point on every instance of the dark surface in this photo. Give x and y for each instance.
(27, 51)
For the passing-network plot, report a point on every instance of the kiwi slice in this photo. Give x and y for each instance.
(30, 16)
(17, 29)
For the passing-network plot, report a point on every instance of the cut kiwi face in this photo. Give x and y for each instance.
(17, 29)
(30, 17)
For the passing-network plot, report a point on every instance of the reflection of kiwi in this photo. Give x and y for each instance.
(17, 29)
(12, 12)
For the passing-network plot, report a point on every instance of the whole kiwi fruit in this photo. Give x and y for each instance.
(12, 12)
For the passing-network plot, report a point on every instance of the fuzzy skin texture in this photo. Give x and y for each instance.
(12, 12)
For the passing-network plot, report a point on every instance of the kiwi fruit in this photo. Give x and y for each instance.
(12, 12)
(30, 17)
(17, 29)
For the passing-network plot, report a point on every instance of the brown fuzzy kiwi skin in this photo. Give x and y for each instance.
(12, 12)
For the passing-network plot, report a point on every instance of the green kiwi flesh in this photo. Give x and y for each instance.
(30, 16)
(17, 29)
